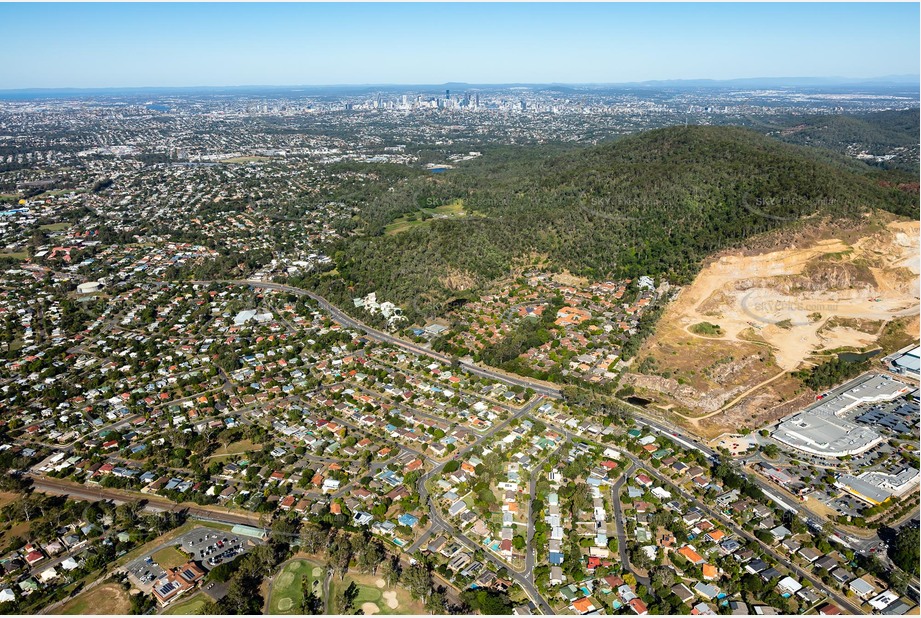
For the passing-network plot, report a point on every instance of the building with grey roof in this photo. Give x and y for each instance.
(877, 486)
(821, 430)
(908, 363)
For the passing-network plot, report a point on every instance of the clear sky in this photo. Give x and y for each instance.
(120, 45)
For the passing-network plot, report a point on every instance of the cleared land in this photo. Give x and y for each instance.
(20, 529)
(234, 448)
(56, 227)
(287, 587)
(7, 497)
(424, 215)
(778, 309)
(103, 599)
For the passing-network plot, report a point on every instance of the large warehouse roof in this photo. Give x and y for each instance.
(820, 430)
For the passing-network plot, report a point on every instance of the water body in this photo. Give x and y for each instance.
(856, 357)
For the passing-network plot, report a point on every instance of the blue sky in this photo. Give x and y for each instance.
(175, 44)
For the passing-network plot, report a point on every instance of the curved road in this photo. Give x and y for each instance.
(619, 516)
(346, 320)
(437, 521)
(539, 387)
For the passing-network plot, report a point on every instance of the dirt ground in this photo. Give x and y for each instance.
(105, 599)
(778, 309)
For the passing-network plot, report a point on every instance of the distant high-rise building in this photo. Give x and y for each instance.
(447, 95)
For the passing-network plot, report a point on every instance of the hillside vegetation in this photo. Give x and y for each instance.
(656, 203)
(893, 133)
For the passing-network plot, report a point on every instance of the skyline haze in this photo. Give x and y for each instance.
(227, 45)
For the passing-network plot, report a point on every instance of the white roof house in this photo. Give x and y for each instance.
(69, 564)
(861, 588)
(47, 575)
(788, 584)
(883, 600)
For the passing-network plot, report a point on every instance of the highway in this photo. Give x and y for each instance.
(642, 416)
(667, 429)
(524, 577)
(346, 320)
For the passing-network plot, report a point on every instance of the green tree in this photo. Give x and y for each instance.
(905, 549)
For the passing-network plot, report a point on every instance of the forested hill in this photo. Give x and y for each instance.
(891, 134)
(654, 203)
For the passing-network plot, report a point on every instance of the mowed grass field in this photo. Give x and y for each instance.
(234, 448)
(287, 587)
(375, 597)
(103, 599)
(56, 227)
(187, 607)
(170, 557)
(401, 224)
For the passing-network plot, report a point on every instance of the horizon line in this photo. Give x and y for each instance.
(895, 79)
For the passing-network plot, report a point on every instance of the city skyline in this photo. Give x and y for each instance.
(215, 45)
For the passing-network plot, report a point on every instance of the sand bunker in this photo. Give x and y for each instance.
(390, 597)
(370, 609)
(380, 583)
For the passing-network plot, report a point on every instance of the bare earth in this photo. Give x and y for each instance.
(778, 309)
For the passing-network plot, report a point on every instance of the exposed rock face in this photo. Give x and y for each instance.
(786, 298)
(685, 395)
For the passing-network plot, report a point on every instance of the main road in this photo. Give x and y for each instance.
(348, 321)
(537, 386)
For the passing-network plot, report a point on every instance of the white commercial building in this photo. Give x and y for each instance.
(821, 431)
